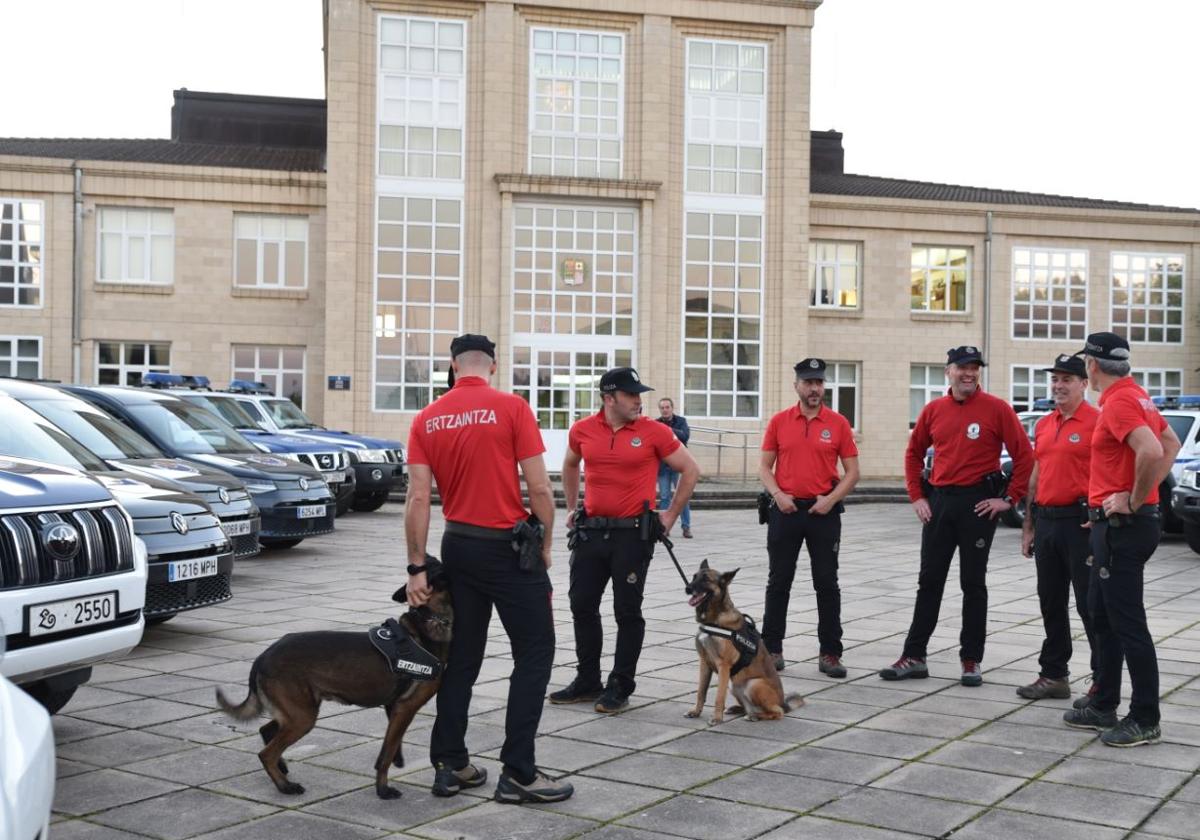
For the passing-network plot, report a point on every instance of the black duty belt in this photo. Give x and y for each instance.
(609, 523)
(463, 529)
(1096, 514)
(961, 490)
(1075, 511)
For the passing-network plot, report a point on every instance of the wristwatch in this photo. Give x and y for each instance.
(1008, 499)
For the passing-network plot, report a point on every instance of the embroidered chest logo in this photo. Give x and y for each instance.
(973, 431)
(826, 435)
(1074, 438)
(636, 442)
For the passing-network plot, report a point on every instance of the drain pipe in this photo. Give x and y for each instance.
(987, 296)
(77, 276)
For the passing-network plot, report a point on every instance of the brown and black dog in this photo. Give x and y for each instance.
(726, 649)
(291, 678)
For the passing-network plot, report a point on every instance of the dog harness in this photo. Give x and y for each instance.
(405, 657)
(745, 638)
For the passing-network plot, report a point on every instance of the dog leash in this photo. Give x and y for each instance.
(666, 541)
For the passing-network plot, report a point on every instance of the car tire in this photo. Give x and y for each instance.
(344, 505)
(1191, 533)
(270, 542)
(372, 502)
(1014, 517)
(52, 700)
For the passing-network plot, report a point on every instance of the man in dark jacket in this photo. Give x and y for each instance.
(668, 479)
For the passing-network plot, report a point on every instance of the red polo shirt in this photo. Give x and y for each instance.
(472, 438)
(1062, 447)
(621, 466)
(967, 438)
(1124, 406)
(808, 450)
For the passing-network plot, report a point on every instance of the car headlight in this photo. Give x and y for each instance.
(291, 456)
(260, 488)
(1187, 478)
(372, 456)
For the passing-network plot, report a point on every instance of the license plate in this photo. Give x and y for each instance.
(310, 511)
(237, 529)
(191, 569)
(60, 616)
(333, 479)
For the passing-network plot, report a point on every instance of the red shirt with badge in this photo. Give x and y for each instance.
(967, 437)
(1124, 406)
(1062, 447)
(808, 450)
(621, 467)
(472, 438)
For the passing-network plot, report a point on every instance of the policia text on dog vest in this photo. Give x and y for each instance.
(745, 638)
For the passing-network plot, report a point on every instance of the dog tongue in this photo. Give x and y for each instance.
(696, 599)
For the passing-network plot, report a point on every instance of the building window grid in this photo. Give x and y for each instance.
(422, 76)
(841, 389)
(577, 103)
(137, 245)
(600, 300)
(125, 362)
(567, 382)
(926, 383)
(723, 265)
(21, 356)
(941, 278)
(1147, 296)
(418, 295)
(1026, 384)
(1160, 382)
(834, 272)
(726, 117)
(22, 232)
(1049, 293)
(280, 368)
(270, 251)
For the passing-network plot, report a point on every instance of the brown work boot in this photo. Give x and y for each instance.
(1045, 688)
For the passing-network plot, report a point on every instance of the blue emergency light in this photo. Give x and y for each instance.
(1043, 404)
(156, 379)
(245, 386)
(1182, 401)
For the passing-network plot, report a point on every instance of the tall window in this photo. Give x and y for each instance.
(841, 389)
(124, 362)
(21, 356)
(1160, 382)
(834, 269)
(726, 117)
(1049, 293)
(280, 368)
(1147, 297)
(1028, 383)
(925, 384)
(137, 245)
(270, 251)
(941, 278)
(577, 102)
(22, 232)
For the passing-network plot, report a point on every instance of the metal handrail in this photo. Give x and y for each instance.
(748, 442)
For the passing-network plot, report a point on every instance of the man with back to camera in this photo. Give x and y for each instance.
(968, 429)
(800, 452)
(1133, 449)
(1056, 532)
(471, 441)
(668, 479)
(613, 538)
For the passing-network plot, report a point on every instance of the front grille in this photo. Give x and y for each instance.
(245, 546)
(168, 598)
(324, 460)
(104, 545)
(393, 456)
(214, 496)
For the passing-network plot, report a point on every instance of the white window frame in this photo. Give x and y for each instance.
(1042, 329)
(124, 368)
(928, 266)
(125, 237)
(703, 127)
(260, 373)
(1153, 381)
(817, 265)
(839, 376)
(1035, 382)
(930, 390)
(1126, 328)
(548, 141)
(35, 263)
(14, 357)
(261, 240)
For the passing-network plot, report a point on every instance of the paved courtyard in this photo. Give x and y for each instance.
(143, 753)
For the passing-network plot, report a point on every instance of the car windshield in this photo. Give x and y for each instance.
(26, 434)
(1181, 424)
(102, 434)
(190, 429)
(228, 410)
(286, 415)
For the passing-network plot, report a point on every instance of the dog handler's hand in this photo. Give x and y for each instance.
(784, 502)
(418, 590)
(667, 520)
(546, 558)
(924, 512)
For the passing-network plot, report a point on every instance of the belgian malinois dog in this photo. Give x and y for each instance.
(733, 649)
(291, 678)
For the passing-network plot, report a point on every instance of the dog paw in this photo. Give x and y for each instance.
(388, 792)
(291, 788)
(734, 710)
(716, 721)
(753, 717)
(692, 713)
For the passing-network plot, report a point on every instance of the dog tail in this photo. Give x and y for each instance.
(250, 707)
(792, 701)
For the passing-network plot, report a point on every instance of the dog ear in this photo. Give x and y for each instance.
(728, 576)
(400, 596)
(704, 565)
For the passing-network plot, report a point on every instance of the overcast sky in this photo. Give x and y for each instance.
(1093, 98)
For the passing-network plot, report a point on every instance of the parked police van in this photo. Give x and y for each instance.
(72, 578)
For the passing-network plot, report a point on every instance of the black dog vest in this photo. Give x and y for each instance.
(746, 639)
(404, 655)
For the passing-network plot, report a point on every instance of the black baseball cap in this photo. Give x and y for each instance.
(470, 341)
(810, 369)
(967, 354)
(622, 379)
(1106, 345)
(1068, 364)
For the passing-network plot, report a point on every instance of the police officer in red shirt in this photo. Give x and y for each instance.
(1133, 449)
(1056, 532)
(800, 452)
(613, 538)
(967, 428)
(471, 441)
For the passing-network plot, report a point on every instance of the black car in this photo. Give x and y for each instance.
(190, 558)
(293, 500)
(125, 449)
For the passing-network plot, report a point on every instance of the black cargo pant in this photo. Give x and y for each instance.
(484, 573)
(1119, 616)
(619, 555)
(954, 526)
(786, 534)
(1061, 551)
